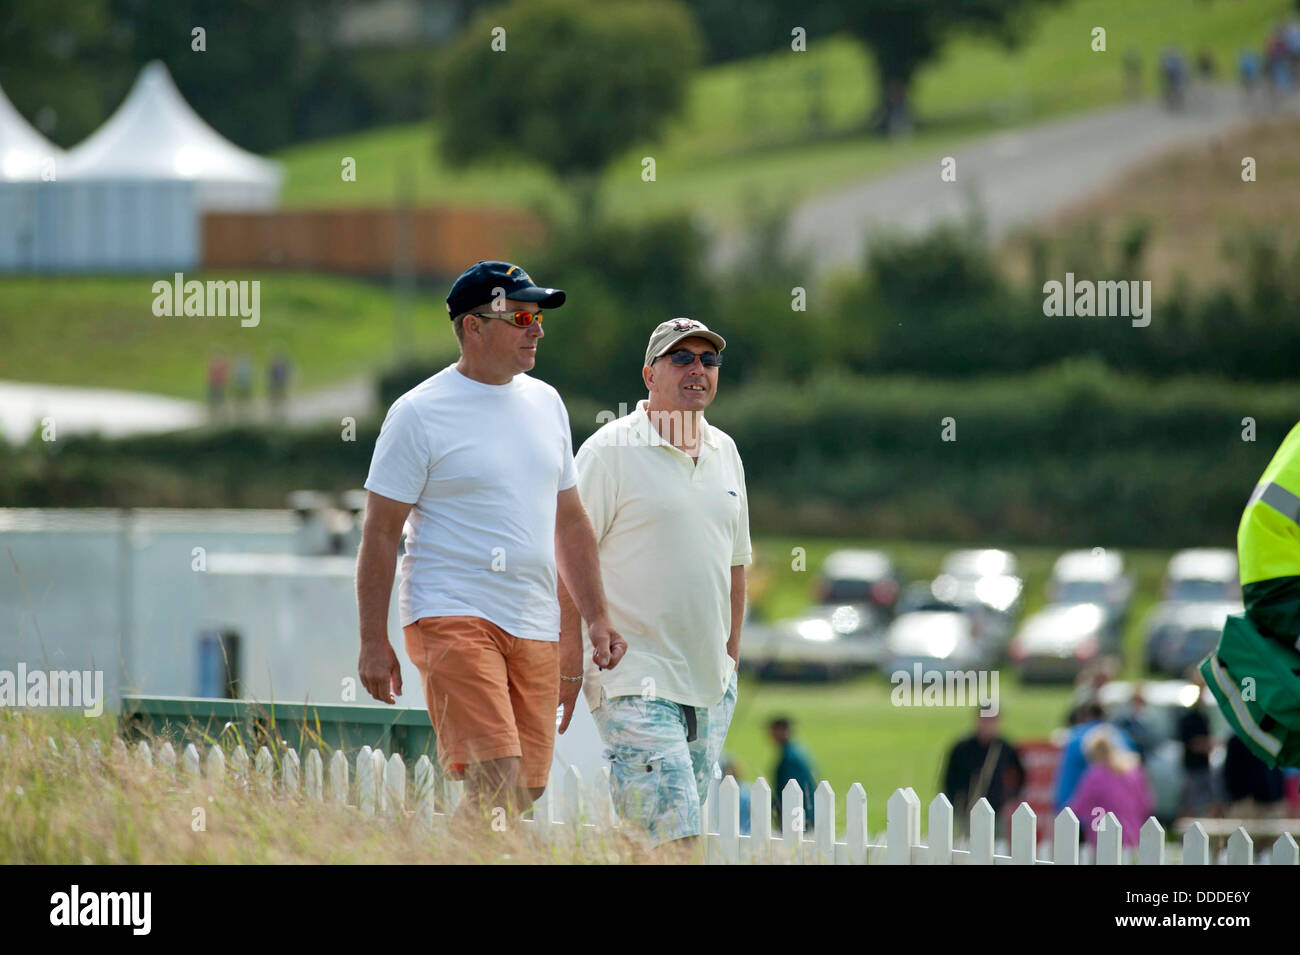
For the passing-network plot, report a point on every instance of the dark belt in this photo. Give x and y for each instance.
(691, 725)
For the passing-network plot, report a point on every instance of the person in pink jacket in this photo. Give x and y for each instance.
(1114, 782)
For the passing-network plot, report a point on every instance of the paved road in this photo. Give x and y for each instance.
(115, 413)
(1010, 178)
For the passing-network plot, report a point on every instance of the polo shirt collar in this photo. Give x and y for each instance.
(651, 434)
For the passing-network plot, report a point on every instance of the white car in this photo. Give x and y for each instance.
(1057, 642)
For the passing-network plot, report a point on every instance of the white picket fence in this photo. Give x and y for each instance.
(571, 810)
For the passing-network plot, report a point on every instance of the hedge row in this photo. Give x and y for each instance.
(1075, 454)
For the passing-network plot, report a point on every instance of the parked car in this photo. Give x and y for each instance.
(826, 642)
(1097, 577)
(1184, 634)
(1057, 642)
(938, 634)
(986, 578)
(860, 576)
(1202, 574)
(1164, 702)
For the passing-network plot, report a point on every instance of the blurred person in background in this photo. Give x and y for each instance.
(1132, 74)
(218, 374)
(1113, 782)
(1093, 677)
(792, 763)
(1173, 77)
(1083, 718)
(1199, 796)
(243, 383)
(1134, 725)
(983, 765)
(277, 382)
(1251, 787)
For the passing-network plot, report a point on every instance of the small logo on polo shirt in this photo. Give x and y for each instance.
(733, 493)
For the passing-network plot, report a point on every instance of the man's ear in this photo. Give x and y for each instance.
(648, 376)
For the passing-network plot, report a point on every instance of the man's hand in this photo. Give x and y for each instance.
(568, 699)
(381, 674)
(607, 644)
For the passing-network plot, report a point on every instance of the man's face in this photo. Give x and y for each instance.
(683, 387)
(986, 728)
(504, 344)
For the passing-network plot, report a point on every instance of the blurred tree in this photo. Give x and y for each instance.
(258, 55)
(903, 34)
(570, 83)
(62, 64)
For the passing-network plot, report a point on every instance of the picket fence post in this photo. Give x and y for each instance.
(824, 831)
(339, 778)
(901, 826)
(1065, 838)
(394, 795)
(263, 767)
(1024, 835)
(366, 781)
(292, 772)
(982, 820)
(792, 822)
(728, 821)
(314, 776)
(760, 821)
(855, 824)
(1151, 843)
(1241, 848)
(1285, 850)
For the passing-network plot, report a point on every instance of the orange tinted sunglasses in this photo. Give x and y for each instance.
(518, 319)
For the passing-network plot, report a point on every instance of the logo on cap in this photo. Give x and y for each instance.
(684, 325)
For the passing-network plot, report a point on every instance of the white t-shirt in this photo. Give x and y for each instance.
(669, 531)
(483, 465)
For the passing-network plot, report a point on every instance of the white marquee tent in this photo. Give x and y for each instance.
(156, 136)
(23, 151)
(131, 196)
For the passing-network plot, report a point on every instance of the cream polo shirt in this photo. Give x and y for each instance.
(669, 531)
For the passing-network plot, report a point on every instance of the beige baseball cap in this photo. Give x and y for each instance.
(669, 333)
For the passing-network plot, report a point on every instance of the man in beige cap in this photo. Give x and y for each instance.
(666, 495)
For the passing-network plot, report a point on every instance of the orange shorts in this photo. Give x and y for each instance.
(490, 695)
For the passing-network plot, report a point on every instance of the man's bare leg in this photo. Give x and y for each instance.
(488, 786)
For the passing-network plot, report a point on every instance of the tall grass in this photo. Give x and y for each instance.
(68, 795)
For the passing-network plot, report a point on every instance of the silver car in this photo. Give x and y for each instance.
(1093, 576)
(824, 642)
(1186, 633)
(1195, 576)
(985, 578)
(1057, 642)
(937, 639)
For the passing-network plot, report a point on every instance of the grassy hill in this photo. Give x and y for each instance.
(786, 125)
(101, 332)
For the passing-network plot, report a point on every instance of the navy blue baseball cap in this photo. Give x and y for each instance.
(477, 287)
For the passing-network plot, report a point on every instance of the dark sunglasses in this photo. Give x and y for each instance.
(684, 357)
(518, 319)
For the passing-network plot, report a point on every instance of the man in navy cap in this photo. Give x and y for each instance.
(477, 463)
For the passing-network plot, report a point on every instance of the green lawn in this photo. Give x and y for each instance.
(101, 332)
(852, 729)
(786, 125)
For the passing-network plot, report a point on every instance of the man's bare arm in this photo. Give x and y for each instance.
(570, 654)
(381, 533)
(578, 561)
(737, 611)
